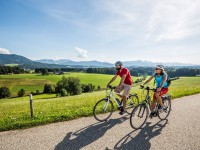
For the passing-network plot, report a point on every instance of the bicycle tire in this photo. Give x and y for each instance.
(131, 102)
(133, 121)
(97, 112)
(164, 114)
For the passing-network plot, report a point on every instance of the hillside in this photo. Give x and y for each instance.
(66, 63)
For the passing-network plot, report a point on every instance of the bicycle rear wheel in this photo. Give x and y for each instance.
(103, 110)
(131, 102)
(139, 116)
(165, 113)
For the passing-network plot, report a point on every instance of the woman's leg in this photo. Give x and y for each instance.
(159, 99)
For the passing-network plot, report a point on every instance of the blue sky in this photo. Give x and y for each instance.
(103, 30)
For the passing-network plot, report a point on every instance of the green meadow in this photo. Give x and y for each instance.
(14, 112)
(33, 82)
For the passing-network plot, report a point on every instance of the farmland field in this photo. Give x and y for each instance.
(33, 82)
(14, 113)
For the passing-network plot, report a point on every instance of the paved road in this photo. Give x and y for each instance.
(180, 132)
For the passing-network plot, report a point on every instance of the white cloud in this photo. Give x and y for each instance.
(4, 51)
(149, 20)
(174, 20)
(81, 52)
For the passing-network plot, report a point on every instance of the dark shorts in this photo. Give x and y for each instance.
(162, 92)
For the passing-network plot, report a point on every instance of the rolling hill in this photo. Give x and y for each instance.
(66, 63)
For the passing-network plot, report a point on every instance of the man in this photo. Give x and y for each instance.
(125, 83)
(161, 87)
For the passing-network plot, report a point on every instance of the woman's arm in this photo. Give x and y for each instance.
(147, 81)
(163, 81)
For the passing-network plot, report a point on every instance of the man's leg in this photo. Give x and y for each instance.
(118, 90)
(124, 102)
(127, 89)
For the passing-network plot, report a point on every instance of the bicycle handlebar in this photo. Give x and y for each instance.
(111, 87)
(147, 88)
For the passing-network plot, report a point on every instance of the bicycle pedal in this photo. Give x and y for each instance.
(120, 108)
(131, 104)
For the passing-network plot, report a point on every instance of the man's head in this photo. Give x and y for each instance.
(118, 65)
(159, 69)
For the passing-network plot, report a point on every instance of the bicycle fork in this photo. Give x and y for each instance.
(141, 112)
(106, 105)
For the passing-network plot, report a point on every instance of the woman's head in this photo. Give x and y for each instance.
(159, 69)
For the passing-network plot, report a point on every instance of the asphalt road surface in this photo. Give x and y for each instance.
(181, 131)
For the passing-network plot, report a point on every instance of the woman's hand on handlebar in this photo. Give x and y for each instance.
(142, 86)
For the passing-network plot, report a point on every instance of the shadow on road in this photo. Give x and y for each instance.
(87, 135)
(141, 141)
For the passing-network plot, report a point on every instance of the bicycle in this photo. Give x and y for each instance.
(104, 108)
(140, 113)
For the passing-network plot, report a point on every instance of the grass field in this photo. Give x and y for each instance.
(14, 113)
(33, 82)
(11, 65)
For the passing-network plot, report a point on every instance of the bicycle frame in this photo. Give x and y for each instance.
(147, 98)
(113, 97)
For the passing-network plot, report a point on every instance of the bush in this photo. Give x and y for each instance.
(74, 86)
(21, 93)
(71, 84)
(99, 88)
(49, 88)
(4, 92)
(87, 88)
(63, 92)
(44, 72)
(37, 92)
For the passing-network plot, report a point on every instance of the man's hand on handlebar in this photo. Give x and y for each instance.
(142, 86)
(108, 85)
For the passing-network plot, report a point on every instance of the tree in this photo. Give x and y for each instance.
(87, 88)
(99, 87)
(63, 92)
(44, 72)
(21, 93)
(74, 86)
(4, 92)
(71, 84)
(62, 84)
(49, 88)
(37, 92)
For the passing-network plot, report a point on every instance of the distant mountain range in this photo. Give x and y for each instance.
(75, 63)
(66, 63)
(136, 63)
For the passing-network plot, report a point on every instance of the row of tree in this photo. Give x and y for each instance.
(5, 92)
(64, 87)
(172, 72)
(139, 71)
(69, 86)
(12, 70)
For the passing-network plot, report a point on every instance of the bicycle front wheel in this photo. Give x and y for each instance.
(139, 116)
(103, 110)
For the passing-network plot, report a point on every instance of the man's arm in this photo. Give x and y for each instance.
(113, 79)
(122, 79)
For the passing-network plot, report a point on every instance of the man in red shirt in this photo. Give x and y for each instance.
(125, 83)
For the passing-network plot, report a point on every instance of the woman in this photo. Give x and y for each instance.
(161, 87)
